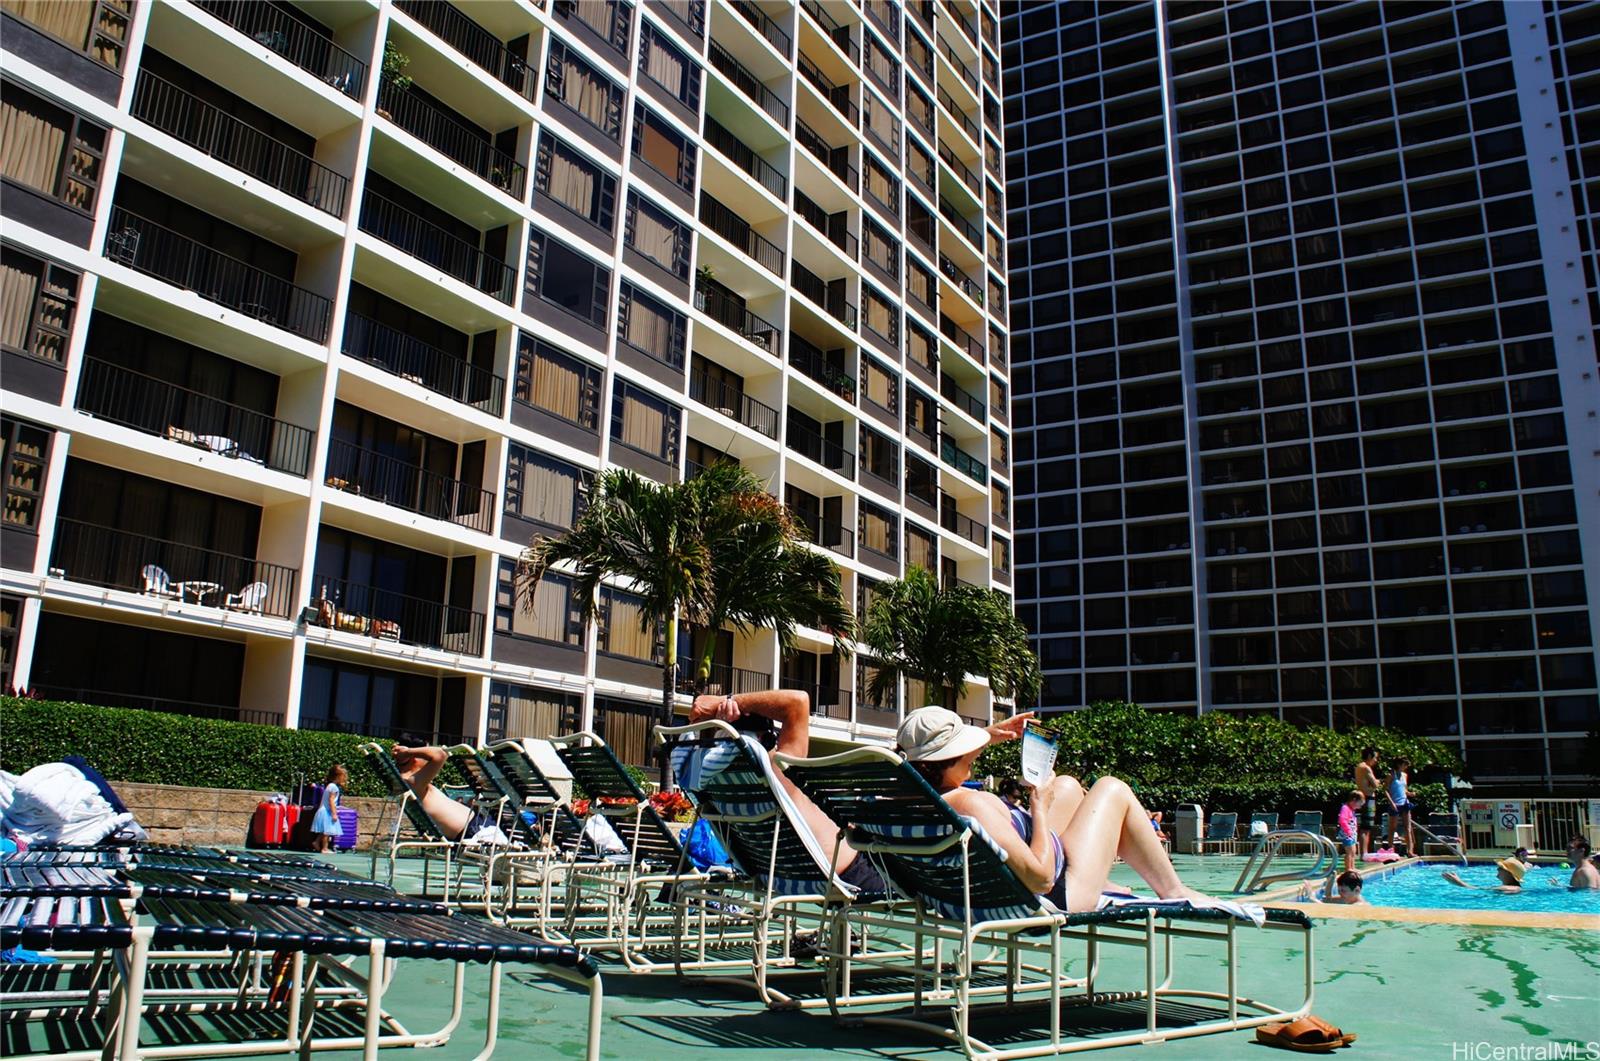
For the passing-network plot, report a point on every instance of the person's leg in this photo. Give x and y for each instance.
(1111, 822)
(1068, 798)
(419, 766)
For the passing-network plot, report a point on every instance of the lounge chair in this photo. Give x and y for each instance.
(1253, 836)
(1007, 942)
(431, 842)
(1220, 830)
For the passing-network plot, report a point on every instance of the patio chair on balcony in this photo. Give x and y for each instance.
(250, 599)
(123, 247)
(155, 582)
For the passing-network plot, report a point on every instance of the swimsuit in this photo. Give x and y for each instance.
(1022, 822)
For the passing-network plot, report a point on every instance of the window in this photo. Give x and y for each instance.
(651, 327)
(880, 386)
(37, 300)
(626, 629)
(626, 728)
(879, 122)
(880, 315)
(879, 456)
(919, 108)
(1000, 554)
(561, 275)
(544, 489)
(98, 29)
(641, 422)
(552, 615)
(997, 395)
(881, 249)
(557, 383)
(517, 711)
(347, 698)
(663, 147)
(607, 18)
(921, 286)
(572, 181)
(585, 91)
(922, 481)
(1000, 501)
(668, 67)
(919, 164)
(48, 148)
(881, 66)
(658, 236)
(921, 347)
(25, 446)
(10, 619)
(1000, 451)
(920, 549)
(921, 418)
(881, 184)
(877, 530)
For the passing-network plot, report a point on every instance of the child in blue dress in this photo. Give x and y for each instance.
(325, 826)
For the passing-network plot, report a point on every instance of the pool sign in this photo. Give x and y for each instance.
(1508, 816)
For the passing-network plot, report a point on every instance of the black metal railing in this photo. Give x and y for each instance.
(171, 571)
(157, 407)
(959, 64)
(825, 452)
(839, 34)
(814, 364)
(837, 159)
(424, 733)
(829, 535)
(164, 704)
(962, 399)
(965, 526)
(830, 297)
(358, 608)
(960, 168)
(764, 25)
(452, 138)
(723, 679)
(961, 460)
(733, 402)
(953, 108)
(968, 30)
(958, 276)
(749, 84)
(737, 231)
(959, 222)
(271, 28)
(721, 308)
(736, 151)
(482, 48)
(962, 339)
(401, 228)
(221, 136)
(391, 481)
(158, 251)
(836, 227)
(414, 360)
(837, 95)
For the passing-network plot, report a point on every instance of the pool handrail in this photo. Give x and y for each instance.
(1267, 848)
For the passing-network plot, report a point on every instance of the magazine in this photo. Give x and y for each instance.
(1038, 755)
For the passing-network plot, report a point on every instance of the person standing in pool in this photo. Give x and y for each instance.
(1509, 871)
(1367, 785)
(1585, 874)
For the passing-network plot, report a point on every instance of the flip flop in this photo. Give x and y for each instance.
(1311, 1035)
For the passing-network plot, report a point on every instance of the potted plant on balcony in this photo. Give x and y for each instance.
(394, 74)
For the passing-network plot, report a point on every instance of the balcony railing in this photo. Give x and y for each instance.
(959, 222)
(837, 159)
(737, 231)
(737, 152)
(961, 460)
(425, 733)
(958, 276)
(962, 399)
(836, 227)
(749, 84)
(389, 481)
(962, 339)
(170, 571)
(953, 108)
(829, 297)
(157, 407)
(384, 615)
(158, 251)
(294, 40)
(814, 364)
(764, 25)
(829, 454)
(841, 540)
(401, 228)
(732, 402)
(724, 680)
(837, 95)
(452, 138)
(829, 701)
(223, 137)
(482, 48)
(164, 704)
(721, 308)
(839, 34)
(958, 64)
(966, 527)
(961, 169)
(414, 360)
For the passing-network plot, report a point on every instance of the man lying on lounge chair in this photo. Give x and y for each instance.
(419, 766)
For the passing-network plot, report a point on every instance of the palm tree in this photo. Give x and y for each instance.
(715, 550)
(940, 636)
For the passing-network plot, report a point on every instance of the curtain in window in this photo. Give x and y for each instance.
(644, 426)
(660, 150)
(67, 19)
(877, 386)
(549, 493)
(876, 533)
(32, 136)
(527, 713)
(878, 183)
(654, 236)
(597, 15)
(18, 287)
(920, 283)
(586, 92)
(919, 550)
(649, 327)
(627, 730)
(623, 634)
(880, 121)
(920, 348)
(571, 182)
(1000, 552)
(557, 386)
(552, 598)
(666, 66)
(880, 318)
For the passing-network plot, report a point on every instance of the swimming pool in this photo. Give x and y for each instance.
(1423, 886)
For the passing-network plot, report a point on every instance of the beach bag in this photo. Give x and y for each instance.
(700, 843)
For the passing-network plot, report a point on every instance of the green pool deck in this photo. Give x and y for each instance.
(1407, 990)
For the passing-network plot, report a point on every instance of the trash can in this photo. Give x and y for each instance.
(1191, 828)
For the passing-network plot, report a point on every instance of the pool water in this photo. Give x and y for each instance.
(1424, 886)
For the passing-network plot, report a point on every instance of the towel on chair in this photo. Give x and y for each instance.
(1256, 915)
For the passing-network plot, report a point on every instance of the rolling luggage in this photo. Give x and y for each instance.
(269, 826)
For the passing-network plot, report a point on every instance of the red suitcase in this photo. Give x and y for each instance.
(268, 825)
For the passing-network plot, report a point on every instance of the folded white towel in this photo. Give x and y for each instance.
(1256, 915)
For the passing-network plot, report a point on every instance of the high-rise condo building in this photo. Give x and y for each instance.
(316, 313)
(1305, 324)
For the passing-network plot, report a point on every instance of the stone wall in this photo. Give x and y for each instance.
(175, 814)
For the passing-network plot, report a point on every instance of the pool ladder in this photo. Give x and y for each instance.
(1268, 847)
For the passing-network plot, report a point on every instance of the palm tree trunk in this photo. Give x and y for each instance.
(669, 695)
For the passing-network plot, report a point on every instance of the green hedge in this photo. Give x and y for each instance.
(164, 749)
(1224, 761)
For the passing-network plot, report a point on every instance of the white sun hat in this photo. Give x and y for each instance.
(932, 733)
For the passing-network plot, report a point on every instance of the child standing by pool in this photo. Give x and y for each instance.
(326, 825)
(1399, 807)
(1348, 828)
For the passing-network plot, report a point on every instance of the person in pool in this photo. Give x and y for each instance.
(1585, 874)
(1509, 870)
(1346, 889)
(1063, 847)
